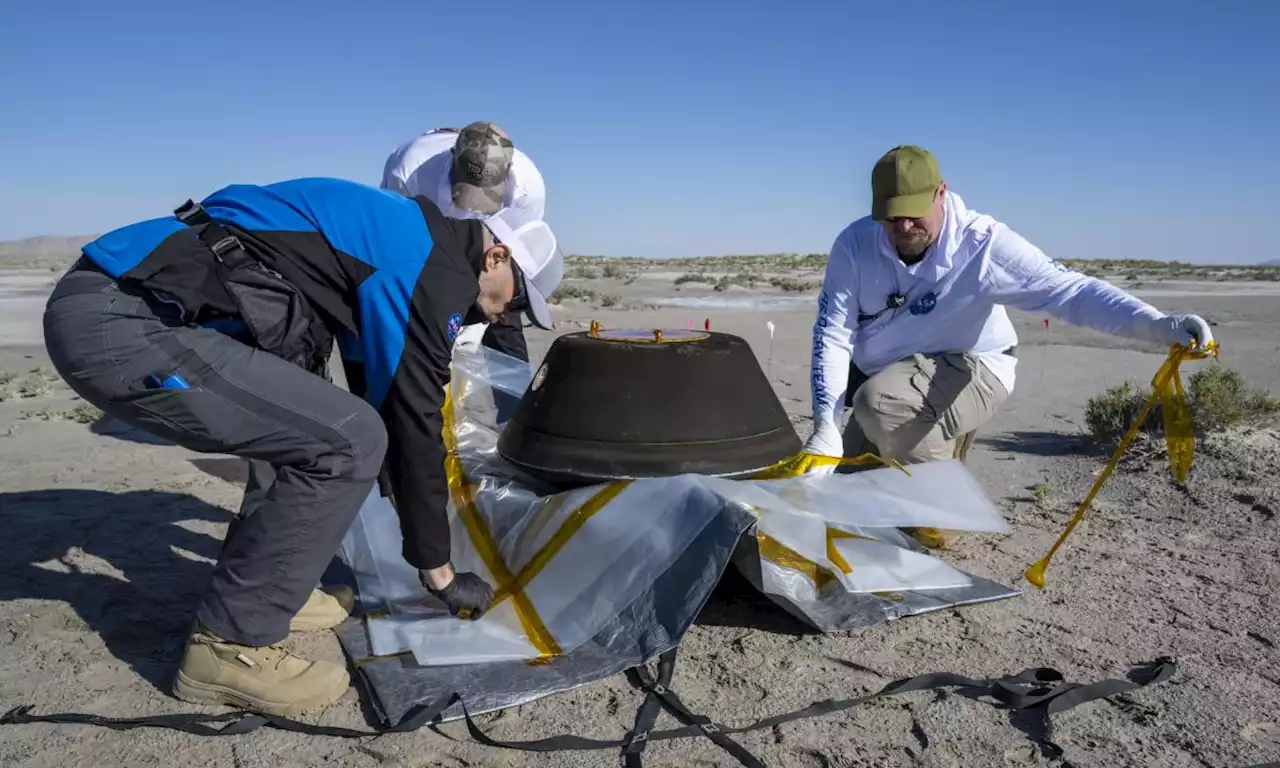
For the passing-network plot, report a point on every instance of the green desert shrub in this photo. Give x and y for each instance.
(1218, 397)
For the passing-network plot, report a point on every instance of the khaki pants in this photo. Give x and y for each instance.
(916, 409)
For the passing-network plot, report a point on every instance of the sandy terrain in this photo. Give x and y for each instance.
(108, 537)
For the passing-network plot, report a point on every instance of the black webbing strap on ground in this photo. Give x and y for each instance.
(647, 716)
(659, 692)
(1036, 688)
(1039, 688)
(238, 722)
(659, 695)
(1028, 690)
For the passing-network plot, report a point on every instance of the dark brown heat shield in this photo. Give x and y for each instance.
(608, 405)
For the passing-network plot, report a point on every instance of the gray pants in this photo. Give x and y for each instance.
(314, 449)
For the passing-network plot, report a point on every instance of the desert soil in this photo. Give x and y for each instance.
(109, 537)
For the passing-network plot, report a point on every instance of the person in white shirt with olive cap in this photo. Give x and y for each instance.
(473, 173)
(911, 331)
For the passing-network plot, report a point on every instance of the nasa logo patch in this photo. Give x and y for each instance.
(453, 327)
(925, 304)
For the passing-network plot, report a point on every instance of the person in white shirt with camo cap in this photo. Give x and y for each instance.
(911, 331)
(470, 173)
(473, 173)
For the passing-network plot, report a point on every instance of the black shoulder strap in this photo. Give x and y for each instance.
(225, 245)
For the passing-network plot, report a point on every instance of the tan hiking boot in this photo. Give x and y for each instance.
(266, 679)
(325, 609)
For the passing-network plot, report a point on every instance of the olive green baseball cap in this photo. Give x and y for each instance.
(903, 183)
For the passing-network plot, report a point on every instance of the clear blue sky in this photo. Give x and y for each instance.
(1116, 129)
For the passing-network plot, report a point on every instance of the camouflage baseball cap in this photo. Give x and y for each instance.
(903, 183)
(481, 162)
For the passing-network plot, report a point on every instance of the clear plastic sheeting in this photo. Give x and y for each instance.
(566, 565)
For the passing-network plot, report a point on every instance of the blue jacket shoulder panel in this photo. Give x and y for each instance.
(122, 249)
(378, 228)
(375, 226)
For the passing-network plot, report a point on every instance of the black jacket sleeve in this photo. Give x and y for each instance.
(415, 463)
(445, 290)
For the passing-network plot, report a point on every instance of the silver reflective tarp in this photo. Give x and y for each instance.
(598, 579)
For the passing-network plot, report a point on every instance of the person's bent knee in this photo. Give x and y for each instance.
(353, 449)
(892, 422)
(934, 447)
(366, 444)
(865, 410)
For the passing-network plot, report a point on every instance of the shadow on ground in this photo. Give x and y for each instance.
(231, 469)
(124, 562)
(1034, 443)
(109, 427)
(736, 603)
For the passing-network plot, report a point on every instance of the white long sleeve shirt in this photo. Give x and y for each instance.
(955, 300)
(421, 167)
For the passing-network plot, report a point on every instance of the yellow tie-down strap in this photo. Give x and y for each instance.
(779, 554)
(463, 495)
(512, 586)
(800, 463)
(1179, 438)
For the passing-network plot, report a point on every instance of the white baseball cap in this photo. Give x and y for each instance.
(537, 257)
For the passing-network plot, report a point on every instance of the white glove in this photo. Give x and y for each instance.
(825, 441)
(1186, 330)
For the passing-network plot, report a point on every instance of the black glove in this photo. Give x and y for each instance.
(467, 592)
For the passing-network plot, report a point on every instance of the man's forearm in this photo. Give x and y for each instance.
(422, 505)
(828, 366)
(1023, 277)
(417, 457)
(1092, 303)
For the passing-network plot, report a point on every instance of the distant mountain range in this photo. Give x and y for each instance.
(45, 245)
(41, 251)
(58, 249)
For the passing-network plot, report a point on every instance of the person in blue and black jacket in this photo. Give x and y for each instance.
(212, 329)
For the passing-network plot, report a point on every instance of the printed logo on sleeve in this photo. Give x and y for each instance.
(454, 326)
(821, 397)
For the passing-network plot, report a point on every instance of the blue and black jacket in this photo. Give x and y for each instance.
(389, 276)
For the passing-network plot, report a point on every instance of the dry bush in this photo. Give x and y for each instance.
(1218, 397)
